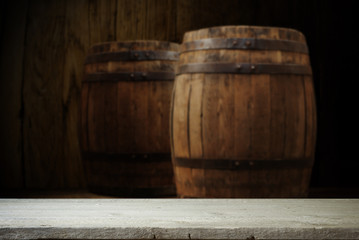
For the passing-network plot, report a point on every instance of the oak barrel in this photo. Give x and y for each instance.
(243, 118)
(126, 94)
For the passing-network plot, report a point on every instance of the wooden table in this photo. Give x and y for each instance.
(179, 218)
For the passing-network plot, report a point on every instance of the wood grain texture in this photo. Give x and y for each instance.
(180, 129)
(58, 35)
(150, 19)
(101, 20)
(44, 120)
(199, 218)
(243, 117)
(76, 45)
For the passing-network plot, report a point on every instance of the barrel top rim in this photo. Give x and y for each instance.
(247, 26)
(132, 41)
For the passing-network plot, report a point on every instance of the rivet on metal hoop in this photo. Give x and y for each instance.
(248, 43)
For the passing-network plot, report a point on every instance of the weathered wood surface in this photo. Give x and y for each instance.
(244, 117)
(179, 219)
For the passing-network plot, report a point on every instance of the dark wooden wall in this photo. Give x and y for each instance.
(44, 43)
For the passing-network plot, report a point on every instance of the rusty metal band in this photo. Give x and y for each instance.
(245, 68)
(129, 76)
(232, 164)
(245, 44)
(135, 157)
(132, 56)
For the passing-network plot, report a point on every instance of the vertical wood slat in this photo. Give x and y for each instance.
(311, 125)
(125, 95)
(44, 115)
(101, 20)
(259, 114)
(76, 45)
(210, 116)
(180, 139)
(13, 34)
(150, 19)
(226, 110)
(195, 116)
(277, 141)
(139, 113)
(110, 117)
(242, 101)
(295, 122)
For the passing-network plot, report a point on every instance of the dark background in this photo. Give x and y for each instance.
(44, 44)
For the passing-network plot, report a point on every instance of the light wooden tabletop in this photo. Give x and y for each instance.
(179, 218)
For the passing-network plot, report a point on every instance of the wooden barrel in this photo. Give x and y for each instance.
(243, 118)
(126, 94)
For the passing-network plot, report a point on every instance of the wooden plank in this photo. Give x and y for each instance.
(158, 116)
(139, 114)
(76, 45)
(226, 116)
(13, 28)
(44, 117)
(180, 116)
(110, 117)
(130, 19)
(295, 118)
(198, 178)
(310, 219)
(101, 21)
(160, 20)
(146, 19)
(211, 116)
(96, 117)
(243, 124)
(154, 115)
(195, 116)
(165, 108)
(195, 131)
(277, 118)
(125, 130)
(260, 115)
(311, 120)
